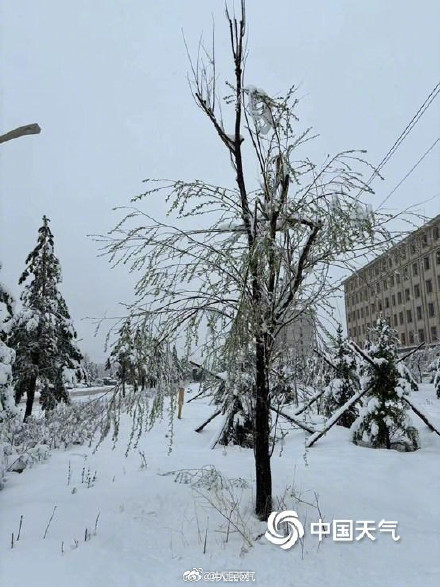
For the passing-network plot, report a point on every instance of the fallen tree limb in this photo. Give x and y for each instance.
(421, 415)
(333, 420)
(306, 406)
(294, 420)
(214, 415)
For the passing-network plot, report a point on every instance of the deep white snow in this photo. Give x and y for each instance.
(152, 529)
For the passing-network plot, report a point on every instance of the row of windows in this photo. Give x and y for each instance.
(359, 314)
(395, 279)
(413, 337)
(363, 296)
(399, 255)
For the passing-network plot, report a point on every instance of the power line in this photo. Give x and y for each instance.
(423, 108)
(409, 172)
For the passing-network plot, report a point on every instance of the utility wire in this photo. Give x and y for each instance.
(423, 108)
(409, 172)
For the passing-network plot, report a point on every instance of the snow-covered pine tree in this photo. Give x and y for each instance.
(122, 356)
(383, 421)
(7, 407)
(345, 382)
(43, 335)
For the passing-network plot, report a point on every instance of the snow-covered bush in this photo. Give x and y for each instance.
(23, 444)
(383, 419)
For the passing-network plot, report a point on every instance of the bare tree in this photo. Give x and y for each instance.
(264, 259)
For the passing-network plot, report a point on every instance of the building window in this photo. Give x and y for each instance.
(436, 233)
(402, 338)
(362, 312)
(358, 315)
(397, 277)
(419, 312)
(390, 262)
(393, 300)
(373, 308)
(400, 317)
(407, 295)
(392, 281)
(405, 273)
(425, 240)
(426, 263)
(421, 335)
(378, 287)
(437, 256)
(438, 281)
(367, 310)
(403, 252)
(387, 303)
(428, 283)
(380, 306)
(395, 319)
(434, 336)
(431, 310)
(385, 285)
(417, 290)
(413, 248)
(408, 316)
(399, 297)
(415, 269)
(376, 269)
(411, 337)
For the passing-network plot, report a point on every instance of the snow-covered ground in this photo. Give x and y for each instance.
(152, 528)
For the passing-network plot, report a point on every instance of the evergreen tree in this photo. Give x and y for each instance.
(345, 382)
(43, 336)
(383, 421)
(123, 356)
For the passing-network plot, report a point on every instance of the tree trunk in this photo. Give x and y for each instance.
(263, 506)
(30, 395)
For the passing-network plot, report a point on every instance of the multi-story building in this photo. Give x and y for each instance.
(403, 286)
(299, 337)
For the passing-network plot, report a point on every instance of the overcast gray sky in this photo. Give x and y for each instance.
(106, 81)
